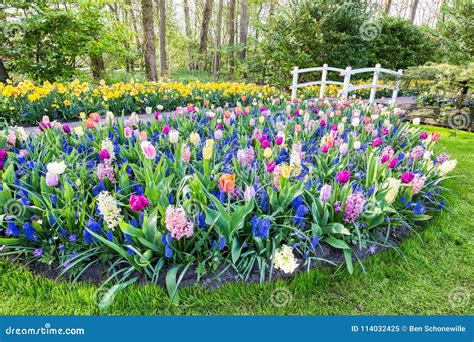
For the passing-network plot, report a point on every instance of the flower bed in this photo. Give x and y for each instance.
(254, 189)
(27, 102)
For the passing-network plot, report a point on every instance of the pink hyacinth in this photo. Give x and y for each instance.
(417, 183)
(441, 158)
(246, 156)
(416, 153)
(177, 224)
(186, 154)
(276, 176)
(138, 202)
(354, 206)
(105, 170)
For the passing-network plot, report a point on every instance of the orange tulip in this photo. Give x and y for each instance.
(227, 182)
(435, 136)
(94, 117)
(90, 123)
(143, 136)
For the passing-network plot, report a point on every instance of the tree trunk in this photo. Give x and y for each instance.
(231, 33)
(217, 54)
(163, 64)
(243, 27)
(206, 18)
(97, 67)
(149, 38)
(413, 9)
(3, 72)
(388, 5)
(187, 27)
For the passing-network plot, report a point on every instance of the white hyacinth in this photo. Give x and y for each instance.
(109, 209)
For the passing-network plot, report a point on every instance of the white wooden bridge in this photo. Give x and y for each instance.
(346, 85)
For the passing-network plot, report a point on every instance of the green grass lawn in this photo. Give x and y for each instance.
(420, 279)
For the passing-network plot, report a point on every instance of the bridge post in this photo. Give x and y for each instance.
(347, 81)
(373, 88)
(294, 85)
(397, 88)
(323, 81)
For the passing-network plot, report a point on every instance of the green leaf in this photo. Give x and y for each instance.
(236, 249)
(109, 296)
(335, 228)
(150, 227)
(336, 243)
(172, 285)
(348, 258)
(130, 230)
(116, 248)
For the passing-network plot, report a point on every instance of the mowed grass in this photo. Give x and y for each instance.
(432, 273)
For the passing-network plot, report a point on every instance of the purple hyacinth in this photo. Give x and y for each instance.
(354, 206)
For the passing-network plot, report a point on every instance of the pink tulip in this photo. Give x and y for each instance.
(384, 158)
(52, 179)
(166, 129)
(128, 131)
(148, 150)
(279, 140)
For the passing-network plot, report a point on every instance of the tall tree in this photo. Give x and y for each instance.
(388, 5)
(413, 8)
(217, 54)
(231, 25)
(149, 38)
(187, 27)
(163, 64)
(3, 72)
(244, 8)
(206, 18)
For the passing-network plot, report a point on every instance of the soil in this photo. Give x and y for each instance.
(97, 273)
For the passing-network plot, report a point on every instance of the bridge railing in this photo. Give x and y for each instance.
(346, 85)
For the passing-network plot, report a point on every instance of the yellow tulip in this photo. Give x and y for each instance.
(267, 153)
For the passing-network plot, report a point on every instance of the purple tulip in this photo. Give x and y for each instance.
(343, 176)
(377, 142)
(384, 158)
(104, 154)
(423, 135)
(407, 177)
(393, 163)
(66, 128)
